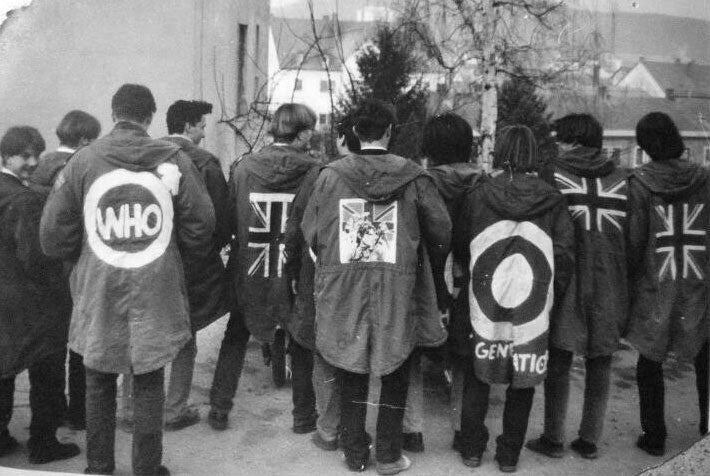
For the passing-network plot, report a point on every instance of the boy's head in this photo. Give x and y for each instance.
(447, 138)
(188, 118)
(293, 123)
(658, 136)
(20, 148)
(77, 129)
(516, 149)
(374, 121)
(579, 129)
(134, 103)
(347, 141)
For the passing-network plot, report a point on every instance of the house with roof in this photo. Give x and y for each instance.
(669, 80)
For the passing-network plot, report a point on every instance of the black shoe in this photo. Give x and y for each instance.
(8, 444)
(159, 471)
(322, 443)
(95, 471)
(506, 466)
(187, 418)
(546, 447)
(218, 420)
(584, 448)
(302, 429)
(413, 442)
(456, 445)
(471, 461)
(652, 449)
(357, 465)
(41, 453)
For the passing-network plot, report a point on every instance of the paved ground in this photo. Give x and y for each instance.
(260, 442)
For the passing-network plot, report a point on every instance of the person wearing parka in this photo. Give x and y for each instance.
(261, 189)
(668, 270)
(205, 278)
(369, 218)
(126, 208)
(593, 313)
(34, 305)
(517, 239)
(77, 129)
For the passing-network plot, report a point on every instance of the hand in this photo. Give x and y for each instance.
(294, 287)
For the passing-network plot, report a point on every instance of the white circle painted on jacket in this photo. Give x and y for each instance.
(512, 281)
(153, 185)
(507, 331)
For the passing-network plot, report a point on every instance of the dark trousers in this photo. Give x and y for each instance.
(148, 401)
(229, 363)
(76, 403)
(354, 403)
(649, 376)
(304, 398)
(46, 399)
(474, 434)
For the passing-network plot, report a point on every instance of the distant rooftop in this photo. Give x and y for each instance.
(680, 76)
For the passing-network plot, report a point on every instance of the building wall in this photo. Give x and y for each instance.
(310, 92)
(640, 79)
(630, 156)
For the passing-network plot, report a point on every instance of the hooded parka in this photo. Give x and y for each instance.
(262, 187)
(517, 239)
(668, 259)
(125, 208)
(369, 220)
(593, 313)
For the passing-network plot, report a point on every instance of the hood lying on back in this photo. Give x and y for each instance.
(377, 177)
(671, 178)
(279, 167)
(521, 197)
(454, 180)
(130, 147)
(586, 162)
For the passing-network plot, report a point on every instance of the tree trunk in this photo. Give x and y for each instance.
(489, 98)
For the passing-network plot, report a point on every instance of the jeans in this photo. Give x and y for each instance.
(596, 396)
(304, 398)
(474, 434)
(148, 401)
(46, 399)
(456, 397)
(229, 363)
(413, 421)
(393, 399)
(649, 375)
(76, 405)
(180, 382)
(327, 395)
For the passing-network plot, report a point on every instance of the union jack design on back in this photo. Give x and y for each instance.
(682, 240)
(270, 213)
(591, 204)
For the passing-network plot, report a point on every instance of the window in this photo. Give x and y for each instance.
(241, 60)
(640, 157)
(324, 86)
(298, 85)
(441, 88)
(614, 153)
(322, 119)
(706, 155)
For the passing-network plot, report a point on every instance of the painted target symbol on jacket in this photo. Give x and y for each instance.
(511, 282)
(128, 218)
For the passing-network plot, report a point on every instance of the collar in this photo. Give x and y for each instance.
(9, 172)
(181, 136)
(63, 148)
(373, 151)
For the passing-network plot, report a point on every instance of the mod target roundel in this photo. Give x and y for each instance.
(511, 282)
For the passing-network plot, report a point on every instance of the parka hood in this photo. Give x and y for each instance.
(376, 176)
(130, 147)
(198, 155)
(671, 178)
(454, 180)
(584, 161)
(520, 197)
(48, 167)
(280, 167)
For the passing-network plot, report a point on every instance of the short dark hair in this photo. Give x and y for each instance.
(18, 138)
(447, 138)
(516, 149)
(372, 118)
(658, 136)
(180, 113)
(133, 102)
(290, 119)
(345, 129)
(77, 125)
(582, 129)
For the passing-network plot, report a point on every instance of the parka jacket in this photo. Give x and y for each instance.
(517, 239)
(261, 188)
(125, 208)
(206, 279)
(369, 219)
(35, 306)
(594, 311)
(668, 258)
(48, 168)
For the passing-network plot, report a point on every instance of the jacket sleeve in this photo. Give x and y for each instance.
(435, 225)
(28, 212)
(563, 249)
(61, 229)
(637, 227)
(309, 223)
(219, 194)
(293, 238)
(194, 213)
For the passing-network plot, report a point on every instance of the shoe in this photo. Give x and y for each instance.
(546, 447)
(402, 464)
(159, 471)
(413, 442)
(8, 444)
(218, 420)
(584, 448)
(94, 471)
(187, 418)
(357, 465)
(505, 467)
(304, 428)
(322, 443)
(471, 461)
(654, 450)
(51, 451)
(456, 445)
(125, 425)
